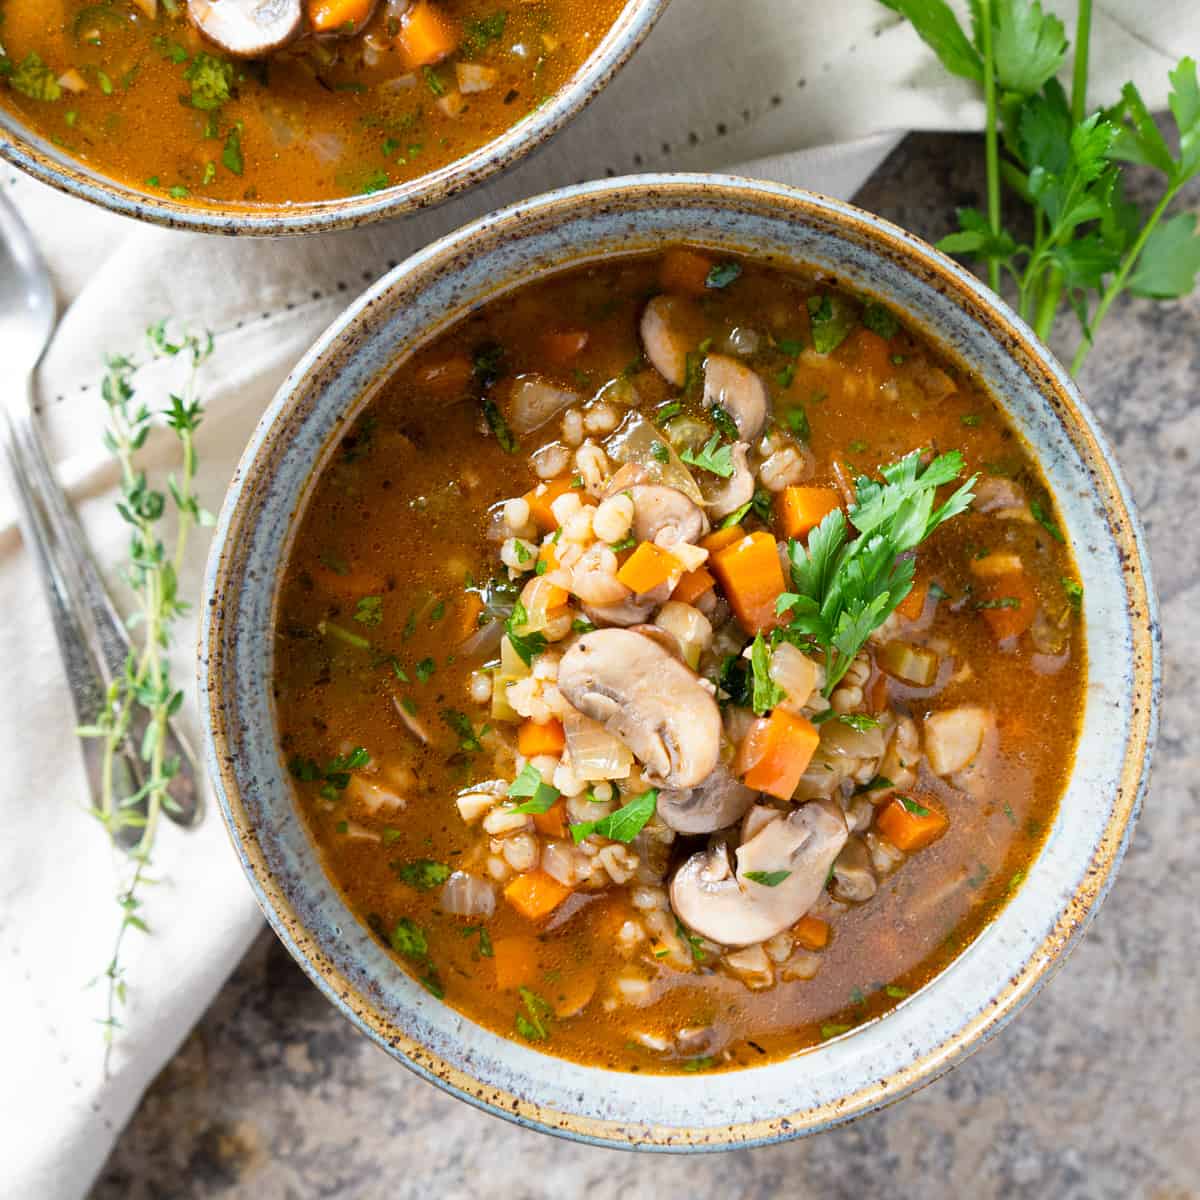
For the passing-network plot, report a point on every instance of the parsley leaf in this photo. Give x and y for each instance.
(408, 938)
(424, 874)
(1073, 592)
(1170, 260)
(211, 79)
(479, 34)
(722, 275)
(1046, 521)
(938, 27)
(767, 878)
(624, 824)
(369, 610)
(468, 738)
(542, 797)
(767, 693)
(712, 456)
(880, 320)
(832, 318)
(33, 78)
(527, 645)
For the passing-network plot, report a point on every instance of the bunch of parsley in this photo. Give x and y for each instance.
(1089, 242)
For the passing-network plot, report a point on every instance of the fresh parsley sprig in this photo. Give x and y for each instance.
(845, 589)
(1089, 243)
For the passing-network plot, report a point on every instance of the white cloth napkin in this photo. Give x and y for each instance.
(789, 90)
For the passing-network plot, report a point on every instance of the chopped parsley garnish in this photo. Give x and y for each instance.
(831, 318)
(211, 79)
(626, 543)
(424, 874)
(624, 824)
(880, 320)
(705, 1062)
(425, 669)
(487, 364)
(498, 425)
(529, 783)
(660, 453)
(369, 610)
(581, 625)
(1001, 602)
(910, 805)
(797, 422)
(408, 938)
(724, 422)
(876, 784)
(832, 1030)
(375, 182)
(479, 34)
(712, 456)
(486, 950)
(468, 737)
(335, 776)
(694, 940)
(895, 991)
(533, 1024)
(1073, 592)
(859, 722)
(971, 420)
(722, 275)
(33, 78)
(767, 693)
(1046, 521)
(665, 412)
(527, 645)
(433, 81)
(844, 590)
(767, 878)
(231, 152)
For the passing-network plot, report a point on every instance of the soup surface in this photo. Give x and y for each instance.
(316, 99)
(678, 663)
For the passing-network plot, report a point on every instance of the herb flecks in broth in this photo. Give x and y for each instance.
(723, 694)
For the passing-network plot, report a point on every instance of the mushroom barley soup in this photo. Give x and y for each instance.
(678, 663)
(285, 100)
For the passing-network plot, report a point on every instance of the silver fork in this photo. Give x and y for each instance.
(91, 637)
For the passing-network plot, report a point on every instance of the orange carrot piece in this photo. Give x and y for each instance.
(647, 567)
(693, 585)
(877, 693)
(685, 270)
(913, 605)
(548, 554)
(553, 822)
(751, 575)
(534, 738)
(516, 960)
(448, 378)
(812, 933)
(775, 752)
(911, 824)
(535, 894)
(1008, 604)
(563, 346)
(328, 16)
(541, 497)
(468, 614)
(426, 34)
(720, 538)
(799, 509)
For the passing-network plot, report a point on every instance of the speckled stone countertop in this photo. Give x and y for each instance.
(1093, 1092)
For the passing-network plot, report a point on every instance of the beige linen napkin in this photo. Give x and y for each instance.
(792, 91)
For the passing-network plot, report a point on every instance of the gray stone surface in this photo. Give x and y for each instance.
(1093, 1092)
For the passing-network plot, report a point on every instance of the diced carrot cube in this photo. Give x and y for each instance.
(685, 270)
(800, 509)
(541, 497)
(553, 822)
(692, 585)
(911, 824)
(535, 894)
(329, 16)
(720, 538)
(562, 346)
(468, 614)
(648, 567)
(535, 738)
(1008, 603)
(811, 933)
(427, 34)
(775, 752)
(913, 605)
(751, 575)
(516, 960)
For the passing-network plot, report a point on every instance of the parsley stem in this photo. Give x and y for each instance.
(1047, 308)
(991, 136)
(1083, 31)
(1117, 285)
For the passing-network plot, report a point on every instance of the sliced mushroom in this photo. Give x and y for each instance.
(853, 880)
(671, 328)
(631, 611)
(647, 698)
(715, 804)
(665, 515)
(734, 910)
(733, 386)
(723, 496)
(247, 28)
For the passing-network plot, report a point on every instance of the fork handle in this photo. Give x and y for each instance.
(79, 591)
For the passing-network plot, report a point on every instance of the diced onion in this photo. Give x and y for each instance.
(473, 77)
(637, 441)
(468, 895)
(839, 738)
(483, 641)
(595, 753)
(535, 401)
(792, 670)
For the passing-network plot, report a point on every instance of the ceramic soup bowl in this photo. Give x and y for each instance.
(53, 165)
(986, 985)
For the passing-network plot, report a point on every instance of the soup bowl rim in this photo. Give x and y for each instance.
(1060, 918)
(39, 158)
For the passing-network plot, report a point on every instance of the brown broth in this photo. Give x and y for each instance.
(314, 122)
(401, 513)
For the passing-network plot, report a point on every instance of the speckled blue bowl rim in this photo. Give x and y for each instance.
(884, 1059)
(51, 164)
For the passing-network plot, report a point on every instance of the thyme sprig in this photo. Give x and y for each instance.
(152, 573)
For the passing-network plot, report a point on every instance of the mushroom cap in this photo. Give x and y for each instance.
(671, 329)
(247, 28)
(659, 510)
(646, 697)
(737, 389)
(633, 610)
(716, 803)
(709, 898)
